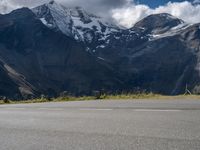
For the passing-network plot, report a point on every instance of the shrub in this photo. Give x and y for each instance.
(5, 100)
(97, 94)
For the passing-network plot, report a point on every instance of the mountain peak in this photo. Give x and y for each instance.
(22, 13)
(52, 2)
(158, 21)
(55, 16)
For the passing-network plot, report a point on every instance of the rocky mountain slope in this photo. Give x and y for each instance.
(51, 49)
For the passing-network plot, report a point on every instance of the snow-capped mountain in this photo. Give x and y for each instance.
(74, 22)
(56, 17)
(98, 34)
(52, 49)
(158, 23)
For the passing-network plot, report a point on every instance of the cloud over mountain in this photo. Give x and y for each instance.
(124, 12)
(130, 14)
(97, 6)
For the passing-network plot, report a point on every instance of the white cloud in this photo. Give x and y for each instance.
(185, 10)
(7, 5)
(129, 15)
(98, 6)
(124, 12)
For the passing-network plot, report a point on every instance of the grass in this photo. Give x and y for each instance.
(43, 100)
(124, 96)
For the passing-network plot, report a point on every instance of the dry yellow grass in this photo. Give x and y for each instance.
(128, 96)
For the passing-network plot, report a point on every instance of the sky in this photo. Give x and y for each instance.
(156, 3)
(124, 12)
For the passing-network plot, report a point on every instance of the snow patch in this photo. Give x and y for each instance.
(45, 22)
(101, 58)
(172, 32)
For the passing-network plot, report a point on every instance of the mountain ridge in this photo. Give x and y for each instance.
(51, 49)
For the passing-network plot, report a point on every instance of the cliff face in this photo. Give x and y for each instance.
(37, 59)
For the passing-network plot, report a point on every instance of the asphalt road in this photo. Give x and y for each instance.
(101, 125)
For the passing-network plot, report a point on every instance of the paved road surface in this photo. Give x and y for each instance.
(101, 125)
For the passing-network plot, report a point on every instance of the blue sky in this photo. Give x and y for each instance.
(156, 3)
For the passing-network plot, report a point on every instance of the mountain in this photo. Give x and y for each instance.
(36, 60)
(158, 23)
(74, 22)
(52, 49)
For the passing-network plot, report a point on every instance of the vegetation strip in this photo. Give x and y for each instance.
(103, 97)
